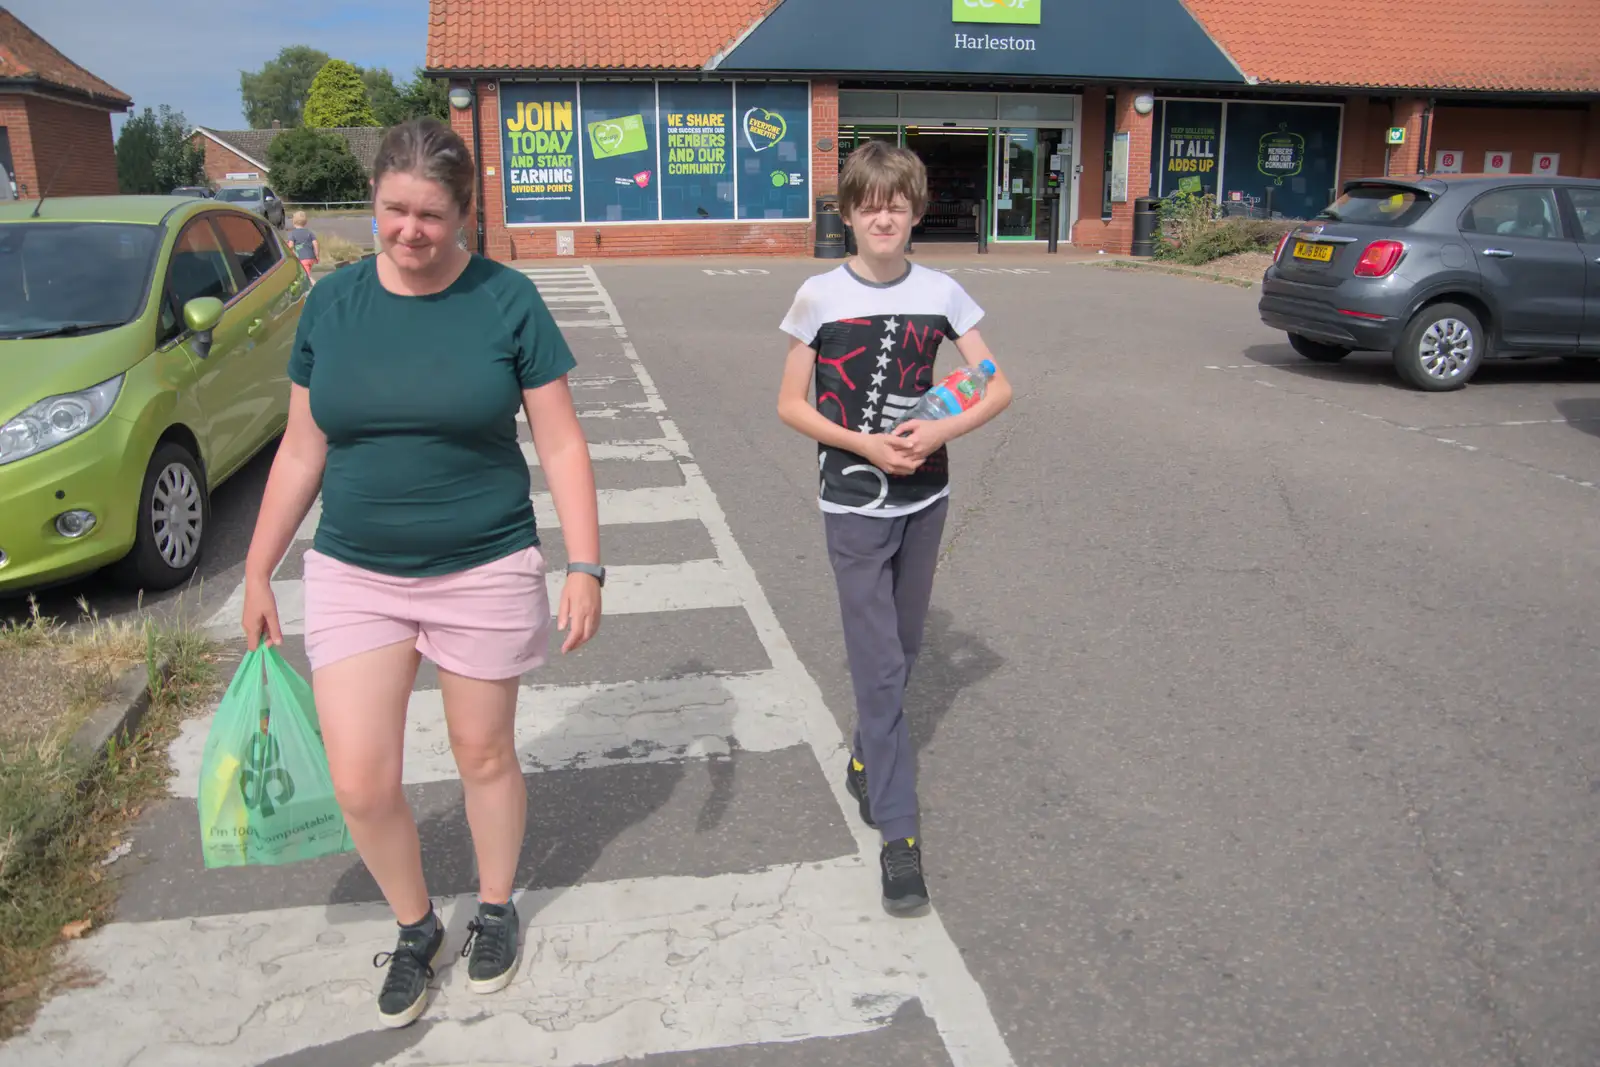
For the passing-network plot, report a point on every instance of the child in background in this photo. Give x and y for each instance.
(306, 247)
(867, 334)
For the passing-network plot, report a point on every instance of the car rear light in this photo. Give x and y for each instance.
(1282, 241)
(1379, 258)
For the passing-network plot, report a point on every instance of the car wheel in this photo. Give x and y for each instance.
(174, 514)
(1316, 350)
(1442, 348)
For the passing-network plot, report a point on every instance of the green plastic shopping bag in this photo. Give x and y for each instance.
(266, 796)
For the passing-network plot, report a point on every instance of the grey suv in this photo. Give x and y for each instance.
(1444, 272)
(253, 196)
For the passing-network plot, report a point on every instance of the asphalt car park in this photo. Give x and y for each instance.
(1254, 721)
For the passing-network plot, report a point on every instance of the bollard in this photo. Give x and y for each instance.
(1050, 212)
(980, 214)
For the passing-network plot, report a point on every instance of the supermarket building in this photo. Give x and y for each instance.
(636, 127)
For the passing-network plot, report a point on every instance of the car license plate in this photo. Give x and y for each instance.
(1317, 253)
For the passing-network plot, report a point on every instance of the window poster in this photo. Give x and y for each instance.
(772, 150)
(1291, 149)
(697, 146)
(539, 151)
(1190, 146)
(618, 136)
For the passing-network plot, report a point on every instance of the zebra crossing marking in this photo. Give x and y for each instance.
(613, 970)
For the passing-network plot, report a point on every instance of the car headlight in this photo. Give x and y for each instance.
(56, 419)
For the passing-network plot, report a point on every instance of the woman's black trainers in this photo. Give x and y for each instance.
(405, 988)
(492, 939)
(855, 783)
(904, 890)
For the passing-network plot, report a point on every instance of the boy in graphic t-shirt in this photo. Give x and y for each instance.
(866, 335)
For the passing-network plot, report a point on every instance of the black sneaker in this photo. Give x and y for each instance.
(492, 938)
(855, 783)
(405, 988)
(904, 890)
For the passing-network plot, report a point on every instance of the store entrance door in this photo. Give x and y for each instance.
(957, 161)
(1032, 178)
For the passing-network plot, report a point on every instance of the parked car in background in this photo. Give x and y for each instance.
(1444, 272)
(253, 196)
(192, 190)
(144, 354)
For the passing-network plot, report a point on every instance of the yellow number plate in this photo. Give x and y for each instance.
(1318, 252)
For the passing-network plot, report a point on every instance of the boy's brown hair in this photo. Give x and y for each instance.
(875, 173)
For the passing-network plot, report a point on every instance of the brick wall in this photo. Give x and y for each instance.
(65, 146)
(221, 161)
(1473, 131)
(1115, 235)
(648, 238)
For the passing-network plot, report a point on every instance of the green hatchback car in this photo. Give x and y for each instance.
(144, 355)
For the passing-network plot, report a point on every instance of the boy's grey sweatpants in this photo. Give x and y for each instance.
(884, 570)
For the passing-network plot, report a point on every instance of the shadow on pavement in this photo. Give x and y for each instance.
(951, 661)
(1582, 413)
(1377, 368)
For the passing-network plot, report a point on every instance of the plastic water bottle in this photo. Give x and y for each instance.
(961, 389)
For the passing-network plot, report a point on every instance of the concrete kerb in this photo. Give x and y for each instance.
(123, 710)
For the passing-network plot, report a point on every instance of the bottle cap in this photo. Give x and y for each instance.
(987, 366)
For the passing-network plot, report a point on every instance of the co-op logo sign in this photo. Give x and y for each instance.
(1010, 12)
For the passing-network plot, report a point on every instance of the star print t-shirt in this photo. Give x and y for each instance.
(876, 343)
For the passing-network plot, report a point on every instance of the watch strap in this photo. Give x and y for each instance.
(593, 570)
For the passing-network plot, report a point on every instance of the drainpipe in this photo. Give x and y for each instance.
(1422, 137)
(477, 160)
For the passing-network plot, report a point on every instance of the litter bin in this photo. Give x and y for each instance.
(830, 243)
(1146, 217)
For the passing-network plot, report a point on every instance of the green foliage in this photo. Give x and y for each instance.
(338, 98)
(394, 102)
(154, 154)
(278, 91)
(426, 97)
(1190, 231)
(313, 166)
(388, 107)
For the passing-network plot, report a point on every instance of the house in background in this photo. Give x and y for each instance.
(55, 120)
(241, 155)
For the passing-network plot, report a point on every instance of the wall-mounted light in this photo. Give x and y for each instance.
(1144, 103)
(461, 98)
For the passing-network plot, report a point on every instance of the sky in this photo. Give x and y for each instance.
(188, 53)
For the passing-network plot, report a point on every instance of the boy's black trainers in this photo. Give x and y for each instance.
(405, 987)
(493, 941)
(855, 783)
(904, 890)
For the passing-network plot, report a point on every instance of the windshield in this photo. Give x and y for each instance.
(1379, 205)
(240, 196)
(69, 277)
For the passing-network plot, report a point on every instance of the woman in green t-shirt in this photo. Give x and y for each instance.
(408, 373)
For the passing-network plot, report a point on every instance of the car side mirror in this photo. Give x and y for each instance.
(201, 315)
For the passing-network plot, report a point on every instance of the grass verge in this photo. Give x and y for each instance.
(1186, 272)
(64, 812)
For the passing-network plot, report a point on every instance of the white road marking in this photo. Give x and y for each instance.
(614, 971)
(699, 716)
(611, 451)
(621, 506)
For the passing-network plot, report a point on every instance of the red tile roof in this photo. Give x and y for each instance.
(1508, 45)
(592, 35)
(27, 57)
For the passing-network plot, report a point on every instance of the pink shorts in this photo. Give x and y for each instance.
(490, 622)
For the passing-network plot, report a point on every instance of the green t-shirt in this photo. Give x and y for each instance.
(418, 396)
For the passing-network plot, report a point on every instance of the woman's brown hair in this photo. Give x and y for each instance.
(428, 149)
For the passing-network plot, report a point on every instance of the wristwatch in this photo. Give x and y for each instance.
(593, 570)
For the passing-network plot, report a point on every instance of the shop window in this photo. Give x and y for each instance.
(854, 104)
(774, 155)
(619, 152)
(697, 149)
(1038, 108)
(539, 148)
(947, 106)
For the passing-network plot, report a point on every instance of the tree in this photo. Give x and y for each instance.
(425, 96)
(314, 166)
(338, 98)
(278, 91)
(388, 103)
(155, 155)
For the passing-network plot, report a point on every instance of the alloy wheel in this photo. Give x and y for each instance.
(1446, 349)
